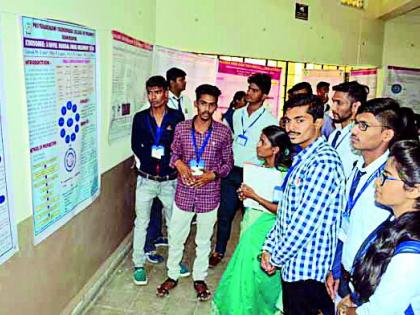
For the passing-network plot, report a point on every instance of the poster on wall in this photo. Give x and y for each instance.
(61, 93)
(200, 69)
(232, 77)
(314, 76)
(403, 84)
(131, 67)
(367, 77)
(8, 231)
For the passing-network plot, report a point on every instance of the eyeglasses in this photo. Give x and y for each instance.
(383, 178)
(363, 126)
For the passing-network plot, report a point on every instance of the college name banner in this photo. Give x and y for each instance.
(61, 93)
(368, 77)
(8, 231)
(131, 67)
(403, 85)
(232, 76)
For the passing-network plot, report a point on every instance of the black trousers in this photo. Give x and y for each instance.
(307, 297)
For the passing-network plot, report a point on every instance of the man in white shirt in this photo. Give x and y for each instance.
(248, 122)
(378, 124)
(177, 84)
(347, 98)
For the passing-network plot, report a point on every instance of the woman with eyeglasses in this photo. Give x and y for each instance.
(386, 270)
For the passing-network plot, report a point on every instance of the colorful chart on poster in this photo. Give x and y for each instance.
(8, 234)
(60, 78)
(199, 69)
(368, 77)
(131, 66)
(403, 84)
(232, 77)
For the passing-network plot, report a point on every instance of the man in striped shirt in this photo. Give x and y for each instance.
(303, 240)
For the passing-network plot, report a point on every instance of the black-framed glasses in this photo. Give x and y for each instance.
(383, 178)
(363, 126)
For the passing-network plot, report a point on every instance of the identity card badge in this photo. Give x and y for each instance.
(197, 169)
(158, 151)
(242, 140)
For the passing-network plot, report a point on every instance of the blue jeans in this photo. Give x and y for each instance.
(229, 203)
(154, 230)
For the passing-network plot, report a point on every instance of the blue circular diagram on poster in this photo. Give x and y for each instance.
(2, 199)
(396, 88)
(70, 160)
(67, 122)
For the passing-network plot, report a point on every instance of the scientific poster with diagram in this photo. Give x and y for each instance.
(403, 84)
(200, 69)
(232, 77)
(131, 66)
(61, 93)
(367, 77)
(8, 233)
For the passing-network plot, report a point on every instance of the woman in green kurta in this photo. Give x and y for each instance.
(245, 288)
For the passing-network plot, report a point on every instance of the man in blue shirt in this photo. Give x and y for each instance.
(151, 138)
(304, 237)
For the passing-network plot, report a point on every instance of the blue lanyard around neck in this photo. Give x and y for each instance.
(199, 152)
(352, 201)
(289, 172)
(159, 129)
(342, 139)
(252, 124)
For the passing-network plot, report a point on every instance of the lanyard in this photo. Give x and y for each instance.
(199, 152)
(289, 172)
(342, 139)
(352, 201)
(252, 124)
(159, 129)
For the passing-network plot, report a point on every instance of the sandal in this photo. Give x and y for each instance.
(203, 293)
(164, 288)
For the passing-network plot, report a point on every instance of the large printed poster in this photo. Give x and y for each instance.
(131, 66)
(200, 69)
(60, 77)
(232, 77)
(367, 77)
(8, 233)
(403, 84)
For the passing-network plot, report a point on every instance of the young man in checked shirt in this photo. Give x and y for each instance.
(202, 154)
(304, 237)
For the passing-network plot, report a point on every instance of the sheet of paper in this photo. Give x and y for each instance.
(263, 180)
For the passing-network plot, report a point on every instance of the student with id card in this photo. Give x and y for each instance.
(202, 154)
(152, 134)
(248, 122)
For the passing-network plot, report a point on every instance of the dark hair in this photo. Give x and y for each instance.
(314, 103)
(322, 84)
(302, 86)
(174, 73)
(279, 138)
(262, 80)
(369, 270)
(238, 95)
(207, 89)
(389, 113)
(356, 92)
(158, 81)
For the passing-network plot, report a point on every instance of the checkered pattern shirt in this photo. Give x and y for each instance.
(217, 156)
(304, 237)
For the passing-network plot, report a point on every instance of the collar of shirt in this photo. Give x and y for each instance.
(173, 97)
(193, 127)
(249, 118)
(309, 150)
(372, 167)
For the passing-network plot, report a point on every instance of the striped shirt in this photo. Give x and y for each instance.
(217, 156)
(304, 237)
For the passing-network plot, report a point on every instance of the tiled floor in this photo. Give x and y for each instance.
(120, 296)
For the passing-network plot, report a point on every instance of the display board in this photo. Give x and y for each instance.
(61, 93)
(368, 77)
